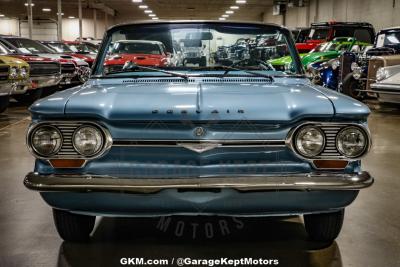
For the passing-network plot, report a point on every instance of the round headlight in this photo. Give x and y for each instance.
(335, 64)
(353, 66)
(23, 72)
(46, 140)
(13, 73)
(310, 141)
(357, 73)
(381, 74)
(351, 142)
(88, 140)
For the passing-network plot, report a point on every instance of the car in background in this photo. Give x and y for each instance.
(74, 70)
(60, 47)
(300, 34)
(44, 75)
(90, 40)
(14, 79)
(242, 140)
(142, 53)
(387, 86)
(358, 70)
(83, 48)
(327, 31)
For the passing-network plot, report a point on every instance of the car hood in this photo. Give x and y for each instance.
(316, 56)
(132, 100)
(55, 56)
(12, 61)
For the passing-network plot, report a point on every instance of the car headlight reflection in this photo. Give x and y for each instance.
(13, 72)
(23, 72)
(309, 141)
(46, 140)
(352, 142)
(381, 74)
(88, 140)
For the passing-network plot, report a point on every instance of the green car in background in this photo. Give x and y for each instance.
(322, 52)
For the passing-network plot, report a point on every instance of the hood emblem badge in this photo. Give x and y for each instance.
(199, 147)
(199, 131)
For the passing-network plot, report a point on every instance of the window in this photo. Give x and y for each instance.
(319, 33)
(344, 32)
(363, 35)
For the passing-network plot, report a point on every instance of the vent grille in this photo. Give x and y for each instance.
(330, 149)
(38, 69)
(4, 72)
(68, 68)
(67, 149)
(207, 80)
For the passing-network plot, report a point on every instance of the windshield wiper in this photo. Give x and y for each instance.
(231, 68)
(130, 66)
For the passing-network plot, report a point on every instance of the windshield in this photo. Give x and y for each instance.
(27, 46)
(319, 34)
(388, 39)
(83, 48)
(59, 47)
(191, 47)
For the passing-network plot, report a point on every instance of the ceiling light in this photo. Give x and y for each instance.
(241, 1)
(222, 18)
(229, 12)
(155, 18)
(148, 11)
(152, 15)
(1, 15)
(234, 7)
(46, 9)
(143, 6)
(137, 1)
(71, 17)
(62, 14)
(225, 16)
(26, 4)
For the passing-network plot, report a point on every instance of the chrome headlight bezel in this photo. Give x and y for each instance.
(382, 73)
(35, 149)
(13, 73)
(23, 72)
(300, 148)
(365, 136)
(100, 142)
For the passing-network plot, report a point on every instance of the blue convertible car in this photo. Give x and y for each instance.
(240, 139)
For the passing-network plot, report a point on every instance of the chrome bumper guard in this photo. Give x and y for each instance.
(94, 183)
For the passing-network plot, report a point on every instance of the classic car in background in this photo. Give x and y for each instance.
(387, 86)
(140, 52)
(14, 79)
(60, 47)
(300, 34)
(84, 48)
(322, 53)
(327, 31)
(74, 70)
(358, 70)
(45, 74)
(243, 140)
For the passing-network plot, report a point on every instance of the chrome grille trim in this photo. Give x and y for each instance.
(330, 131)
(221, 143)
(67, 130)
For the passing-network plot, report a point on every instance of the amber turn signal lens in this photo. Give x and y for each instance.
(330, 164)
(67, 163)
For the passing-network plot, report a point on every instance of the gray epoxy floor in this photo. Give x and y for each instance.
(370, 236)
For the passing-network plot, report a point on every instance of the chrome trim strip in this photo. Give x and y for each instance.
(178, 143)
(93, 183)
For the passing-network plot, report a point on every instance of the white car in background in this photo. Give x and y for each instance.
(387, 86)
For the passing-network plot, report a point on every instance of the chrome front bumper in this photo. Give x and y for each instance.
(13, 87)
(93, 183)
(44, 81)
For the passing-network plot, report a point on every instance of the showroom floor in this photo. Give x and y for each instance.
(370, 237)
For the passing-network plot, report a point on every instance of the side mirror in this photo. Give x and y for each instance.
(169, 54)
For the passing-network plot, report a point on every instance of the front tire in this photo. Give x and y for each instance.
(351, 87)
(324, 227)
(4, 101)
(29, 97)
(73, 227)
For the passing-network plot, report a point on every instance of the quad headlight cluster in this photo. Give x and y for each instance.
(16, 73)
(350, 141)
(88, 141)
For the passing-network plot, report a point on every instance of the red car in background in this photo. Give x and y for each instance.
(143, 53)
(61, 47)
(327, 31)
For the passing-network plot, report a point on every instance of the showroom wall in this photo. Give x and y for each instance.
(381, 14)
(70, 28)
